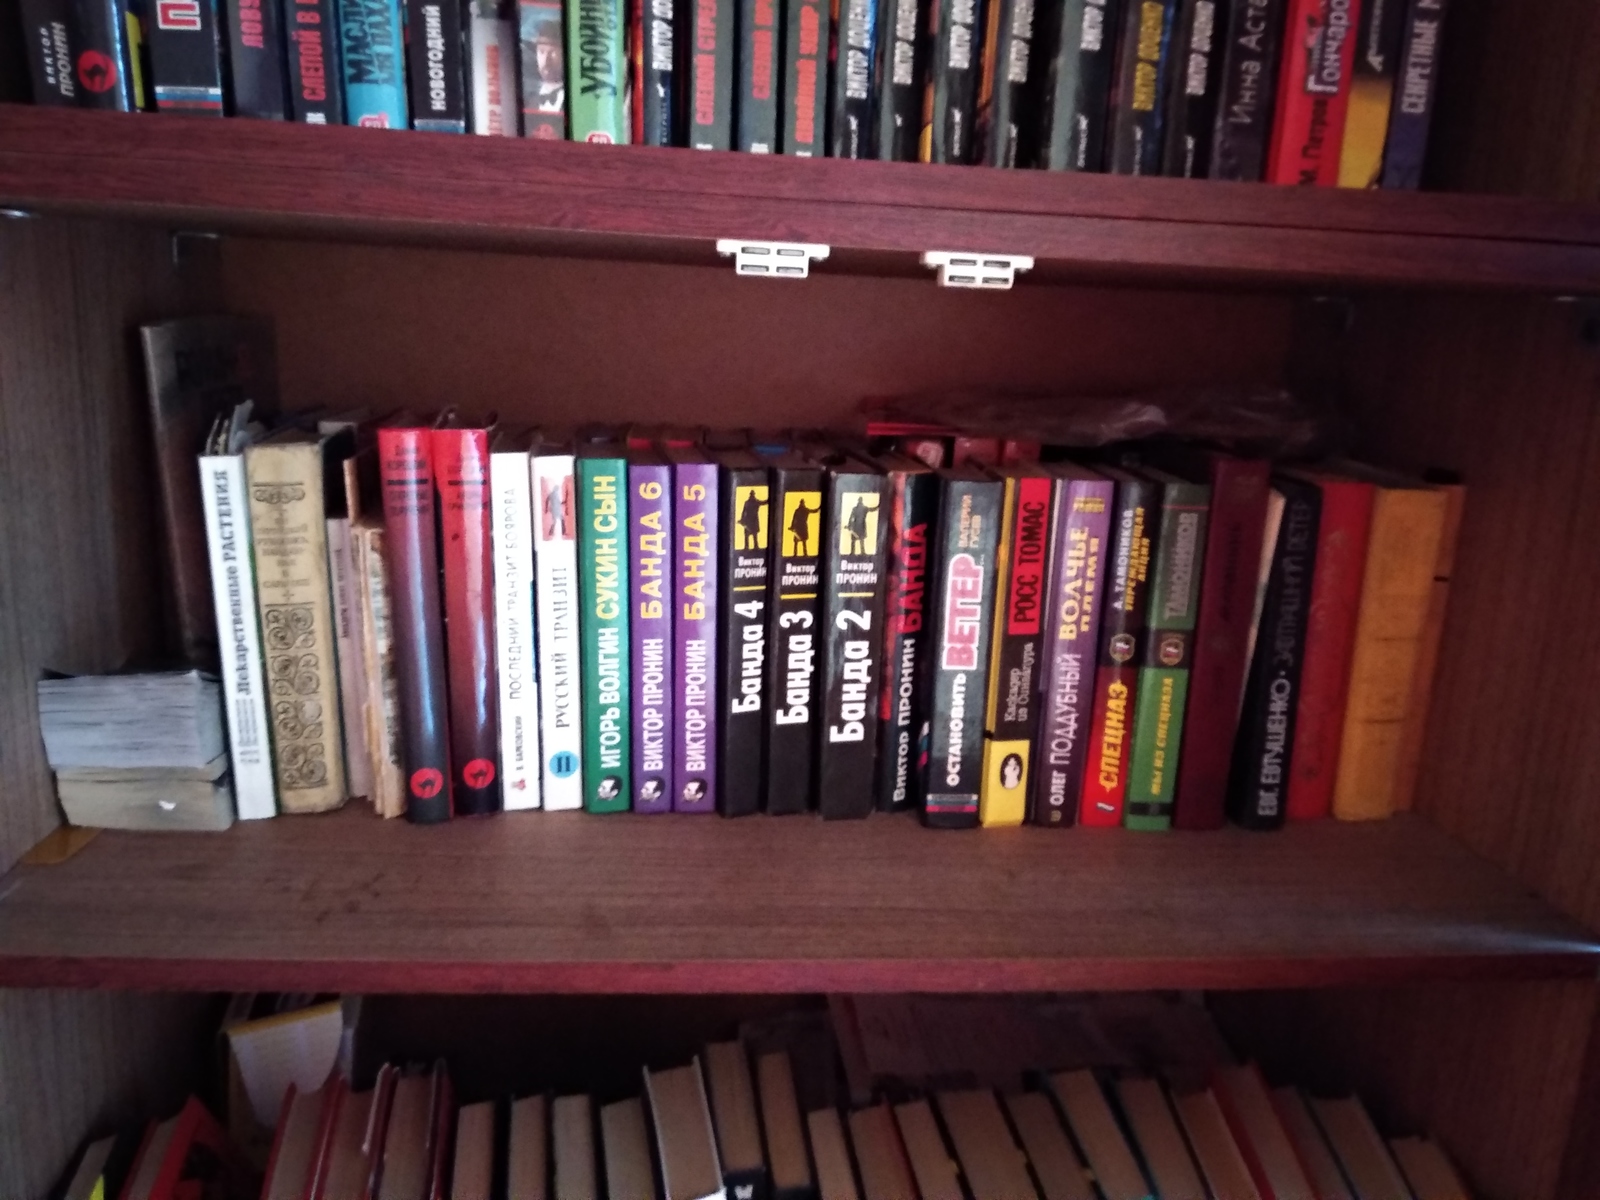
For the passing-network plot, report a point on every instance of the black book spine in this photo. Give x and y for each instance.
(657, 57)
(186, 57)
(757, 110)
(47, 29)
(902, 719)
(104, 63)
(1144, 58)
(1074, 107)
(436, 79)
(805, 78)
(1247, 90)
(1196, 80)
(1412, 112)
(855, 43)
(794, 637)
(1260, 776)
(741, 733)
(951, 136)
(1008, 117)
(852, 664)
(899, 79)
(316, 94)
(958, 673)
(256, 59)
(711, 86)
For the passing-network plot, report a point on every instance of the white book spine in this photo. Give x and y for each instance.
(555, 540)
(515, 653)
(233, 593)
(496, 107)
(347, 645)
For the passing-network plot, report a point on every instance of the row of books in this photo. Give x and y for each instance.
(1290, 91)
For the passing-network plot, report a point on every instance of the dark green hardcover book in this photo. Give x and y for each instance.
(603, 585)
(759, 61)
(1164, 678)
(794, 638)
(1074, 105)
(711, 78)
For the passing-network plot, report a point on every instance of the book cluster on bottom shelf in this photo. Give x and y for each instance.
(876, 1098)
(1290, 91)
(454, 620)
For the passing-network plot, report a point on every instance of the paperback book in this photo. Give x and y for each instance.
(794, 635)
(557, 594)
(695, 511)
(744, 530)
(651, 548)
(186, 57)
(1074, 108)
(913, 503)
(602, 472)
(371, 48)
(435, 73)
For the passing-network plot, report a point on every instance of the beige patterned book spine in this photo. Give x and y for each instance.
(382, 702)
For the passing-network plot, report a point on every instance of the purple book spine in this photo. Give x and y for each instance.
(695, 501)
(1082, 521)
(650, 547)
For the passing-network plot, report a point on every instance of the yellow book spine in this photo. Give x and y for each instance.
(998, 805)
(1407, 524)
(1366, 131)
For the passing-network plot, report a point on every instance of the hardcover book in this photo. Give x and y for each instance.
(1006, 114)
(1372, 79)
(804, 122)
(104, 36)
(516, 661)
(966, 548)
(257, 85)
(544, 67)
(794, 634)
(384, 736)
(316, 94)
(602, 478)
(185, 41)
(1412, 113)
(1074, 101)
(742, 641)
(913, 504)
(1248, 86)
(899, 72)
(652, 545)
(657, 113)
(405, 461)
(492, 68)
(1164, 677)
(950, 132)
(371, 46)
(852, 658)
(856, 58)
(556, 591)
(47, 32)
(342, 488)
(1080, 538)
(1192, 92)
(1144, 61)
(710, 92)
(1313, 92)
(695, 510)
(436, 77)
(759, 61)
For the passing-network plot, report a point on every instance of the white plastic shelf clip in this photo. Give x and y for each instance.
(772, 260)
(964, 270)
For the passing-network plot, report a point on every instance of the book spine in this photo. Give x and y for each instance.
(1164, 678)
(1192, 100)
(710, 98)
(371, 42)
(797, 584)
(1414, 730)
(950, 135)
(913, 513)
(186, 57)
(315, 94)
(1220, 657)
(657, 114)
(651, 546)
(742, 651)
(435, 74)
(289, 540)
(852, 664)
(544, 71)
(1412, 113)
(492, 68)
(1082, 527)
(47, 30)
(967, 547)
(1144, 58)
(1075, 105)
(384, 734)
(257, 84)
(603, 578)
(758, 76)
(1005, 110)
(1372, 77)
(597, 104)
(1116, 682)
(1248, 85)
(516, 661)
(555, 540)
(1313, 92)
(106, 62)
(1012, 716)
(856, 49)
(346, 598)
(805, 78)
(233, 593)
(1263, 752)
(899, 78)
(695, 631)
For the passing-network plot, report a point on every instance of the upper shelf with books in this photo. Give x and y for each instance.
(266, 178)
(569, 902)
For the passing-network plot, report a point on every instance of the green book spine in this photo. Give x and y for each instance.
(1164, 678)
(597, 71)
(603, 581)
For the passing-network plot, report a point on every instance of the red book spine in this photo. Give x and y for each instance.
(1319, 47)
(1330, 645)
(1241, 1137)
(461, 473)
(411, 522)
(1239, 490)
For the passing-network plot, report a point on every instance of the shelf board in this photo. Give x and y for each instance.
(269, 178)
(535, 902)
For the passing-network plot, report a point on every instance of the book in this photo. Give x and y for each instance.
(1411, 116)
(794, 633)
(289, 540)
(1214, 1148)
(695, 508)
(369, 543)
(932, 1164)
(1074, 106)
(407, 1157)
(1361, 1151)
(742, 637)
(1144, 62)
(652, 551)
(1268, 1153)
(1310, 1147)
(626, 1145)
(1408, 522)
(491, 66)
(197, 369)
(898, 72)
(557, 594)
(1313, 92)
(342, 497)
(950, 124)
(1269, 543)
(760, 59)
(1084, 1104)
(1194, 88)
(1006, 112)
(174, 798)
(405, 458)
(371, 52)
(736, 1121)
(836, 1178)
(516, 657)
(1264, 747)
(885, 1170)
(105, 37)
(528, 1150)
(852, 650)
(856, 37)
(473, 1175)
(295, 1143)
(1372, 80)
(1427, 1169)
(47, 33)
(436, 79)
(1247, 87)
(602, 473)
(131, 720)
(685, 1138)
(803, 122)
(1012, 713)
(1144, 1106)
(991, 1160)
(709, 96)
(965, 550)
(1234, 534)
(1415, 729)
(185, 1154)
(185, 41)
(781, 1127)
(257, 83)
(544, 67)
(1050, 1152)
(316, 92)
(572, 1149)
(913, 510)
(1164, 676)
